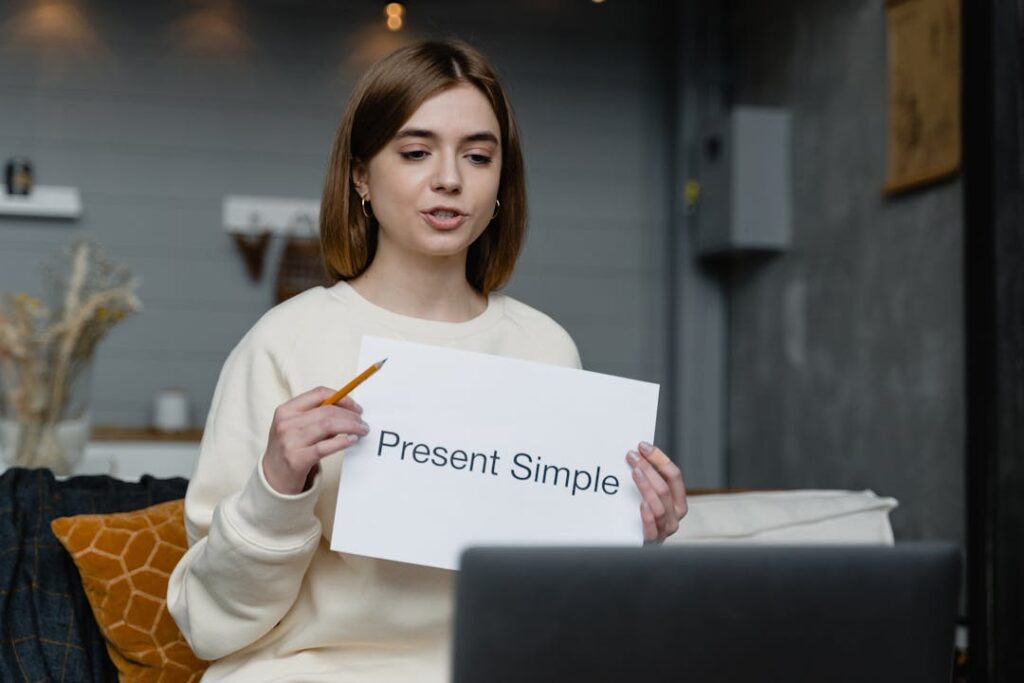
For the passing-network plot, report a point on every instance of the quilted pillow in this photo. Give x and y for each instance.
(125, 560)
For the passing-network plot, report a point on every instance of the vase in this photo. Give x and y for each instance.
(36, 433)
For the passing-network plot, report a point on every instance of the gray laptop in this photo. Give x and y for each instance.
(707, 614)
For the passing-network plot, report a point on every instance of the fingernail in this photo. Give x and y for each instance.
(631, 458)
(352, 438)
(356, 407)
(365, 426)
(646, 448)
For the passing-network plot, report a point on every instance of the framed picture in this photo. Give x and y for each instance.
(923, 38)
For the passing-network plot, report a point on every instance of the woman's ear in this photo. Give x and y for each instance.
(360, 180)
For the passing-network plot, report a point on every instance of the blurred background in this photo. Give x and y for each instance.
(833, 358)
(720, 202)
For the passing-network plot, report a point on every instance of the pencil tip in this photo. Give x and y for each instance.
(383, 362)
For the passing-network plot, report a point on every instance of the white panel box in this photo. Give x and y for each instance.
(279, 215)
(746, 198)
(45, 201)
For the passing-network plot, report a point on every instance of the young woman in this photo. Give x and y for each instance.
(423, 216)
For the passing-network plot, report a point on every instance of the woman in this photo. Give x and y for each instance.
(422, 218)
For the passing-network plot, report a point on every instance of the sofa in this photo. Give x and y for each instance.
(47, 627)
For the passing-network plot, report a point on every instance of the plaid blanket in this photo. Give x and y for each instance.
(47, 631)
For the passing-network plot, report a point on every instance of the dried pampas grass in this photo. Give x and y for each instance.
(43, 352)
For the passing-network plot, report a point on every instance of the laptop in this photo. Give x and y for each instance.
(707, 614)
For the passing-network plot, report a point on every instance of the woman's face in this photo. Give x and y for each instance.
(433, 187)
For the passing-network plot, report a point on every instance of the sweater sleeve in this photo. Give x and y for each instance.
(250, 546)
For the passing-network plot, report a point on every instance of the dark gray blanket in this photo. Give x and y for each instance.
(47, 631)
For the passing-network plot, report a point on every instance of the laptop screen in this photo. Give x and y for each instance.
(707, 614)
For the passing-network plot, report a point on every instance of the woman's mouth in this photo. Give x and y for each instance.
(443, 219)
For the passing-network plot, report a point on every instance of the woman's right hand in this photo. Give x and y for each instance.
(303, 432)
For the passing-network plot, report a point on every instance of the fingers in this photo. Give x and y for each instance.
(657, 495)
(303, 433)
(349, 403)
(649, 522)
(322, 423)
(334, 444)
(670, 472)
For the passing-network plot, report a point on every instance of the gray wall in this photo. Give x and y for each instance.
(698, 298)
(846, 354)
(157, 110)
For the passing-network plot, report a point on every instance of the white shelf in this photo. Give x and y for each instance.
(46, 201)
(129, 460)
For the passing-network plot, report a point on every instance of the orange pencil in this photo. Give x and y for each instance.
(344, 391)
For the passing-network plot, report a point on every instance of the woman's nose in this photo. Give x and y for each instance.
(447, 177)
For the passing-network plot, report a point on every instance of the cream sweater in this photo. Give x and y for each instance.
(259, 590)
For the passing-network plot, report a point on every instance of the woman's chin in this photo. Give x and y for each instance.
(439, 248)
(438, 243)
(446, 243)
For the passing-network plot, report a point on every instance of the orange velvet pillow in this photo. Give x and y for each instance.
(125, 560)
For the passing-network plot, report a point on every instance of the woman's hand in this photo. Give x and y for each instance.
(664, 493)
(304, 432)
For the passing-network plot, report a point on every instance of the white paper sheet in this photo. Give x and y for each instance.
(497, 451)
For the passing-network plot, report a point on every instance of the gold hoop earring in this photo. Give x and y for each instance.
(362, 204)
(496, 209)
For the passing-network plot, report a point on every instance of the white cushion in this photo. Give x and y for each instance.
(802, 516)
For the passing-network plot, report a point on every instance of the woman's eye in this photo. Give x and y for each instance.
(420, 154)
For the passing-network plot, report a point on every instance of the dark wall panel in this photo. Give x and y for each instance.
(846, 352)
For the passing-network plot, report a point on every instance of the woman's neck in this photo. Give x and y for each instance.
(431, 288)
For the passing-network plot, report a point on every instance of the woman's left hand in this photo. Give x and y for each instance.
(664, 493)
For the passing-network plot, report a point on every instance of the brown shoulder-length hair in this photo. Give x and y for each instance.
(385, 97)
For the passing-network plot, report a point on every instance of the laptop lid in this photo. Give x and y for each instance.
(707, 614)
